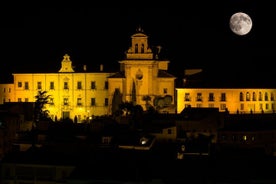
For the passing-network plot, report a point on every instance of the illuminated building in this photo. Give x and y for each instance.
(233, 100)
(142, 80)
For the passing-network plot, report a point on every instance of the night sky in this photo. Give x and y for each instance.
(192, 35)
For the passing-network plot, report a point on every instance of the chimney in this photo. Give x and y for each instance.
(84, 68)
(101, 67)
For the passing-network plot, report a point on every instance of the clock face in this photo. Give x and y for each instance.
(139, 75)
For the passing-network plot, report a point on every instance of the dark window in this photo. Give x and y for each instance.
(211, 97)
(79, 85)
(26, 85)
(39, 85)
(106, 85)
(93, 102)
(106, 102)
(52, 85)
(66, 85)
(93, 85)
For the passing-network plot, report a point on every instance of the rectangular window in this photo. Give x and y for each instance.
(93, 85)
(211, 105)
(19, 100)
(106, 85)
(26, 100)
(26, 85)
(211, 97)
(65, 101)
(52, 85)
(199, 105)
(106, 102)
(39, 86)
(165, 90)
(4, 90)
(199, 97)
(19, 84)
(223, 97)
(79, 102)
(79, 85)
(9, 90)
(93, 102)
(187, 97)
(66, 85)
(222, 107)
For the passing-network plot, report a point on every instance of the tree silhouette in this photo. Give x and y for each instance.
(39, 108)
(39, 113)
(116, 101)
(147, 99)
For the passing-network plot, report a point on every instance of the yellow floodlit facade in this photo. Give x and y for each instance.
(226, 99)
(83, 95)
(143, 79)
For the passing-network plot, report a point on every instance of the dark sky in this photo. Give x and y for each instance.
(192, 35)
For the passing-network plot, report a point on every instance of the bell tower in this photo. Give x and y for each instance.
(66, 64)
(143, 77)
(139, 46)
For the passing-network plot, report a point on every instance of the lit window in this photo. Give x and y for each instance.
(79, 101)
(247, 96)
(65, 101)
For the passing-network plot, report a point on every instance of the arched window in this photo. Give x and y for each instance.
(247, 96)
(142, 48)
(272, 97)
(260, 96)
(266, 96)
(254, 96)
(241, 96)
(136, 48)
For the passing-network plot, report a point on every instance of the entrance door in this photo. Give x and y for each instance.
(65, 114)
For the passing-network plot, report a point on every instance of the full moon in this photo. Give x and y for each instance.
(240, 23)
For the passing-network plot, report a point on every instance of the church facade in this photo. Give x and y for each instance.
(143, 80)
